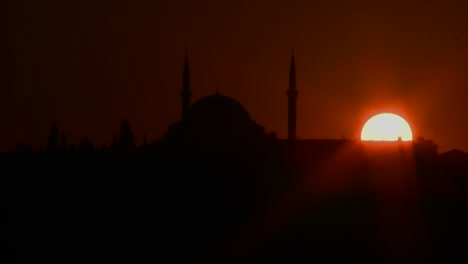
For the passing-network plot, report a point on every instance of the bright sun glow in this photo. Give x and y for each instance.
(386, 127)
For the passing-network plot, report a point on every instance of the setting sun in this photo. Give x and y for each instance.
(386, 127)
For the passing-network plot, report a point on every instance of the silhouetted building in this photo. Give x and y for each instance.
(213, 118)
(455, 160)
(425, 149)
(292, 98)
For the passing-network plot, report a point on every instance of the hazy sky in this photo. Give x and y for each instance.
(89, 64)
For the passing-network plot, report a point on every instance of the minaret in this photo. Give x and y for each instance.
(185, 94)
(292, 98)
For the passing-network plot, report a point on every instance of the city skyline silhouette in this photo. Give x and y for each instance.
(216, 103)
(226, 190)
(246, 132)
(88, 67)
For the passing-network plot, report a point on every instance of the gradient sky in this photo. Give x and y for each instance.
(89, 64)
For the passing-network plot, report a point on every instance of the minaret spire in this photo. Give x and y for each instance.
(185, 94)
(292, 98)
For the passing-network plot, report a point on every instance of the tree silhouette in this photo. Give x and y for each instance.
(126, 140)
(52, 143)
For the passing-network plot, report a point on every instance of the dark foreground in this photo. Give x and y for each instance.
(322, 201)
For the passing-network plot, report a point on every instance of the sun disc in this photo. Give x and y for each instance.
(386, 127)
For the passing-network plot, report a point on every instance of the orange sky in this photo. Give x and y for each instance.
(89, 65)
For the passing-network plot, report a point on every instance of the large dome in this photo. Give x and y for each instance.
(217, 108)
(216, 118)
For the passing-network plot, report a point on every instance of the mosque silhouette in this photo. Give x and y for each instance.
(217, 117)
